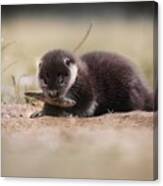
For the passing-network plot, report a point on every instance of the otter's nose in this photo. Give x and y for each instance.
(52, 93)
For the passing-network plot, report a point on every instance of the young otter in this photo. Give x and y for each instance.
(98, 82)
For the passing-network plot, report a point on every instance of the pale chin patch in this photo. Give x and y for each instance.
(73, 75)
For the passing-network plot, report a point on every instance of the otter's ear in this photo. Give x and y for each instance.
(67, 61)
(40, 64)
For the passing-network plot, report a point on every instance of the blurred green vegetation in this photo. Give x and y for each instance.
(26, 38)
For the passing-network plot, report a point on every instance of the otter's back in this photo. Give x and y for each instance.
(116, 82)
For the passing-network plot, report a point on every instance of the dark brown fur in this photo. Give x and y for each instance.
(105, 78)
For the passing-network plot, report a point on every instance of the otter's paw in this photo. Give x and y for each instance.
(68, 102)
(37, 114)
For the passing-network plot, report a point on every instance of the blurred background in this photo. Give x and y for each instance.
(74, 150)
(28, 31)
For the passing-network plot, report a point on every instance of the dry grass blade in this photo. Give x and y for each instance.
(16, 88)
(84, 38)
(13, 80)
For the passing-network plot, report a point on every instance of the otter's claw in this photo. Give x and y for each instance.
(37, 114)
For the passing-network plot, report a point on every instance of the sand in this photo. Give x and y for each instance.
(111, 146)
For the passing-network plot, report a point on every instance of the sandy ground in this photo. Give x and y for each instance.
(112, 146)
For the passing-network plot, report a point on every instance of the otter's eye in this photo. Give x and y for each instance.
(59, 75)
(47, 75)
(60, 79)
(45, 81)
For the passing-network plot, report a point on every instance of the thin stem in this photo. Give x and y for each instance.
(84, 38)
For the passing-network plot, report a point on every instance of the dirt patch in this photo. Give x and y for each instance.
(18, 115)
(112, 146)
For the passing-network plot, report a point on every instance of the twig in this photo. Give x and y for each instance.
(16, 87)
(84, 38)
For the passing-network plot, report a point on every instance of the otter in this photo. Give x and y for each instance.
(93, 84)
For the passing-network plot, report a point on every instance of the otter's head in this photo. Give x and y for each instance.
(57, 73)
